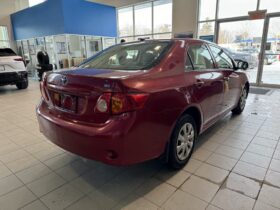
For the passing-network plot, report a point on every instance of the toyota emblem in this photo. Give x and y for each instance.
(63, 80)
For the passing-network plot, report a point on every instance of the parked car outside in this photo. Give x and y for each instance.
(12, 69)
(122, 109)
(251, 58)
(270, 57)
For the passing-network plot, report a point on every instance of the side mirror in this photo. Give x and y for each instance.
(241, 64)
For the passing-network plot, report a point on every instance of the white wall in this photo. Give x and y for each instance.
(8, 7)
(185, 16)
(21, 4)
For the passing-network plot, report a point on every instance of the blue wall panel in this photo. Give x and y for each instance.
(41, 20)
(83, 17)
(65, 16)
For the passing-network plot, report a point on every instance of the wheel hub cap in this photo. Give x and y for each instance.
(185, 141)
(243, 98)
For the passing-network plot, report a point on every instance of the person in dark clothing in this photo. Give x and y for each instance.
(43, 63)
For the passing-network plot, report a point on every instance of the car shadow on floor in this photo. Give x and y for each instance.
(110, 187)
(8, 89)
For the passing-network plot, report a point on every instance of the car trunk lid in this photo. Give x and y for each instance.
(73, 94)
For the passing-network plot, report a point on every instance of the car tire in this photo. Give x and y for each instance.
(182, 142)
(241, 102)
(22, 85)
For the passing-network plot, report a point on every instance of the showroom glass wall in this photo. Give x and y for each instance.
(256, 41)
(65, 50)
(4, 37)
(151, 19)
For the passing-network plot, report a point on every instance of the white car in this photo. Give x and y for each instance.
(12, 69)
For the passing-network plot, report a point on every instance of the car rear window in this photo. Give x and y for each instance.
(129, 56)
(7, 52)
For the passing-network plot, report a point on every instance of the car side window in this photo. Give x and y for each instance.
(200, 57)
(222, 59)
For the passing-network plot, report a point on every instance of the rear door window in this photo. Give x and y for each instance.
(7, 52)
(200, 57)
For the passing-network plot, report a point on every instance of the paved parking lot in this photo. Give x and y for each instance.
(236, 165)
(271, 74)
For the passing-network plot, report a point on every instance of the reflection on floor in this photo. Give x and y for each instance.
(236, 165)
(271, 74)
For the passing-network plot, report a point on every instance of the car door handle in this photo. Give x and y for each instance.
(226, 79)
(199, 83)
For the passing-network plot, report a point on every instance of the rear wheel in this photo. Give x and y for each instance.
(182, 142)
(241, 103)
(22, 84)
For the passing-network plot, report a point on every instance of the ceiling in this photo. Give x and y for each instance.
(118, 3)
(8, 7)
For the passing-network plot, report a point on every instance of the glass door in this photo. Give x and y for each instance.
(93, 45)
(77, 52)
(271, 58)
(242, 40)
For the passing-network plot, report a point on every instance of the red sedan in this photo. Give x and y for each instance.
(138, 101)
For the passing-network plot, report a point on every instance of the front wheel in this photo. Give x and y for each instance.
(241, 103)
(182, 142)
(22, 84)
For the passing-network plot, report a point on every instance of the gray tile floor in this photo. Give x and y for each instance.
(236, 165)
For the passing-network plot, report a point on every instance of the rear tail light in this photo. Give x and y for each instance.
(103, 103)
(117, 103)
(43, 92)
(20, 59)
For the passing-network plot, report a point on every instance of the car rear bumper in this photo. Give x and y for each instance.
(7, 78)
(96, 142)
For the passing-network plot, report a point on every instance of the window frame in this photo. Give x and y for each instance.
(134, 36)
(118, 22)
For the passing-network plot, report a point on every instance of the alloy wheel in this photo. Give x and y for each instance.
(185, 141)
(243, 98)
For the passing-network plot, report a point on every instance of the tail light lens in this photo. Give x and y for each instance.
(20, 59)
(117, 103)
(43, 92)
(103, 103)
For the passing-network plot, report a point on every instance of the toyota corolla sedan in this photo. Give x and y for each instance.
(143, 100)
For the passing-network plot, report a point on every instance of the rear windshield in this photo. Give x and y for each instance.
(129, 56)
(7, 52)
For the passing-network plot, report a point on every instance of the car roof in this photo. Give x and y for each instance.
(187, 40)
